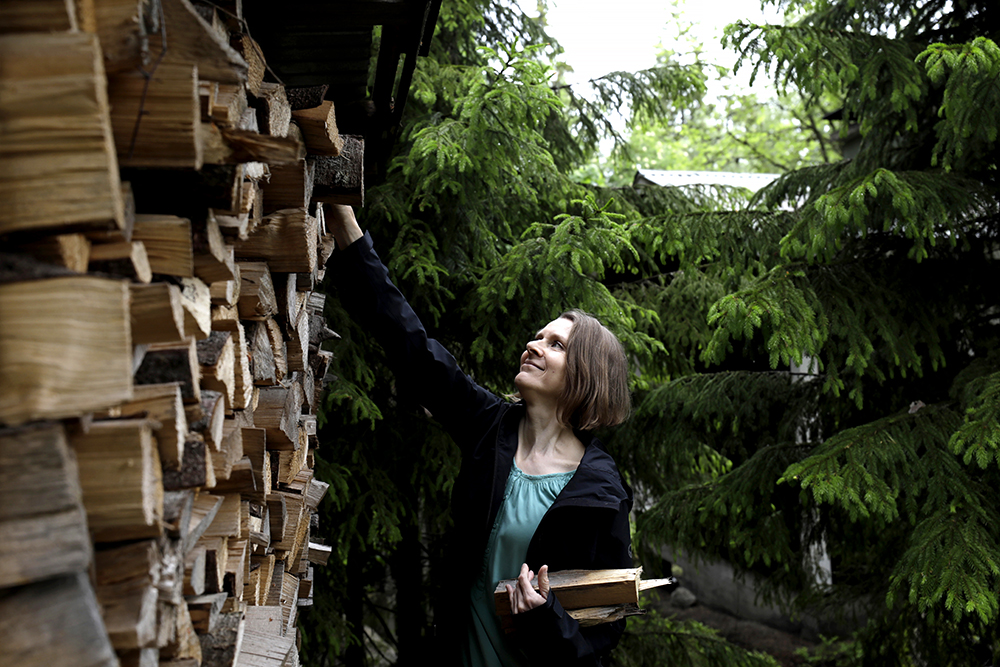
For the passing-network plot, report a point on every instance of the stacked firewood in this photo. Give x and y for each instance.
(163, 238)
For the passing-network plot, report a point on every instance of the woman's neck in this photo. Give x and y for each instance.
(545, 445)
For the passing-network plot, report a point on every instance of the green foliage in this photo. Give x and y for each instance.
(657, 640)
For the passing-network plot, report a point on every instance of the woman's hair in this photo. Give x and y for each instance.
(596, 392)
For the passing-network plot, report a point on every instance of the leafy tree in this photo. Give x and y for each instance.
(877, 278)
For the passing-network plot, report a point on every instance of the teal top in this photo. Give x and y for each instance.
(525, 501)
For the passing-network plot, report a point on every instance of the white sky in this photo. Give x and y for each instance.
(600, 36)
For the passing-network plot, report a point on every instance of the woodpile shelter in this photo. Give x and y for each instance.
(164, 168)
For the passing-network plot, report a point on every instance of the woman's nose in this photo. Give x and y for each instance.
(534, 348)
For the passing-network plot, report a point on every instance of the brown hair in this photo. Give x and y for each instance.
(596, 392)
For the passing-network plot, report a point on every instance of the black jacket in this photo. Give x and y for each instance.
(587, 526)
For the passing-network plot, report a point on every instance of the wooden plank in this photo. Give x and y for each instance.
(579, 589)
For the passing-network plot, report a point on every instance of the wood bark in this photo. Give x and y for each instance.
(341, 179)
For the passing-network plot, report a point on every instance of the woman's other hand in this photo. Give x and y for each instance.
(343, 225)
(523, 596)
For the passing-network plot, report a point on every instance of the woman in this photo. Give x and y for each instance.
(536, 491)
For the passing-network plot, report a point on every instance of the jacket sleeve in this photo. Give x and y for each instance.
(424, 369)
(548, 635)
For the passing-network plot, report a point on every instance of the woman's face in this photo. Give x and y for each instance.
(543, 362)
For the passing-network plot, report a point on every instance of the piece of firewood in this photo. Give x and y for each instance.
(194, 468)
(213, 415)
(215, 354)
(220, 647)
(156, 314)
(196, 299)
(291, 186)
(206, 611)
(168, 243)
(177, 508)
(278, 412)
(278, 347)
(82, 321)
(69, 250)
(341, 179)
(163, 404)
(598, 595)
(194, 572)
(298, 343)
(203, 512)
(257, 300)
(262, 650)
(65, 612)
(262, 355)
(319, 129)
(38, 16)
(213, 257)
(54, 104)
(121, 258)
(120, 476)
(120, 25)
(157, 121)
(237, 565)
(191, 39)
(43, 527)
(273, 110)
(226, 293)
(254, 58)
(125, 587)
(255, 447)
(164, 362)
(286, 239)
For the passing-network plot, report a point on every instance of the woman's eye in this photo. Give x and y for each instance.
(557, 344)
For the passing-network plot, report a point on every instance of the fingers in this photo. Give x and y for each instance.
(522, 594)
(543, 581)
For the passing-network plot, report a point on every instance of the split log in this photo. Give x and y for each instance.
(214, 260)
(232, 145)
(43, 527)
(83, 322)
(298, 343)
(69, 250)
(319, 553)
(341, 179)
(257, 300)
(264, 650)
(126, 588)
(278, 348)
(237, 565)
(157, 120)
(596, 596)
(192, 39)
(206, 611)
(286, 239)
(319, 129)
(226, 293)
(213, 415)
(278, 412)
(262, 355)
(277, 511)
(194, 469)
(172, 363)
(120, 476)
(38, 16)
(203, 513)
(216, 356)
(156, 314)
(306, 97)
(220, 647)
(161, 403)
(229, 105)
(273, 111)
(291, 186)
(64, 178)
(177, 508)
(254, 58)
(255, 448)
(227, 520)
(66, 613)
(121, 26)
(194, 571)
(122, 258)
(185, 650)
(196, 299)
(168, 243)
